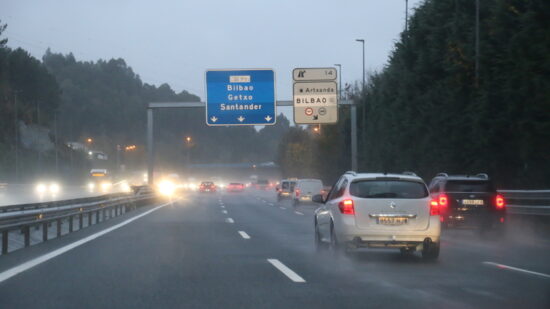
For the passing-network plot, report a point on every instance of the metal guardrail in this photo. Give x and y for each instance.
(527, 202)
(43, 215)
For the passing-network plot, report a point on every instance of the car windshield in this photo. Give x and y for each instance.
(388, 189)
(468, 186)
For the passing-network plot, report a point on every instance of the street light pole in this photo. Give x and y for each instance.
(477, 45)
(16, 139)
(363, 43)
(363, 111)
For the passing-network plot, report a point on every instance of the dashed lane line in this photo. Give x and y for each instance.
(287, 271)
(244, 235)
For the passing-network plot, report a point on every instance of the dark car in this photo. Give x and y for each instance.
(207, 187)
(468, 201)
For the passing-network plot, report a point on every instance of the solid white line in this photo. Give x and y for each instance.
(283, 208)
(41, 259)
(298, 213)
(244, 235)
(501, 266)
(229, 220)
(285, 270)
(224, 212)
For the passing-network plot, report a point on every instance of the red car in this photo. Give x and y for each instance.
(207, 187)
(235, 187)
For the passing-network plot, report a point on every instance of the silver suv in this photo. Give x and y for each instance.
(379, 210)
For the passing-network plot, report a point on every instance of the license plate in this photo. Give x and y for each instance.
(472, 202)
(392, 220)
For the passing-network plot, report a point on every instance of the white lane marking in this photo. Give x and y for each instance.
(222, 206)
(283, 208)
(224, 212)
(298, 213)
(285, 270)
(271, 204)
(502, 266)
(229, 220)
(244, 235)
(41, 259)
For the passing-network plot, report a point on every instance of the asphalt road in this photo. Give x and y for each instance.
(248, 251)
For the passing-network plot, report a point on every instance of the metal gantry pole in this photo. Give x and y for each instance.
(150, 147)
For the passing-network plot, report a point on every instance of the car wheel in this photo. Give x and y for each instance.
(430, 252)
(319, 244)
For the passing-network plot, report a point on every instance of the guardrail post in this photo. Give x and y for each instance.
(4, 242)
(58, 227)
(45, 231)
(27, 235)
(103, 215)
(97, 217)
(89, 218)
(80, 221)
(70, 224)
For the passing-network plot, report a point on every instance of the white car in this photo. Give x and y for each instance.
(379, 210)
(305, 189)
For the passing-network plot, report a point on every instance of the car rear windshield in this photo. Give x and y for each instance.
(311, 186)
(207, 183)
(468, 186)
(388, 189)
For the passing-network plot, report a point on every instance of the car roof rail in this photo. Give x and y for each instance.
(409, 173)
(442, 175)
(483, 175)
(351, 173)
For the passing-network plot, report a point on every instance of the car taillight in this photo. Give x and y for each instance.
(346, 207)
(297, 192)
(443, 201)
(499, 202)
(434, 208)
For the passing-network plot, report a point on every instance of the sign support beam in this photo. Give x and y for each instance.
(161, 105)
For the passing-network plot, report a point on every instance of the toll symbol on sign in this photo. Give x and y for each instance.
(309, 111)
(322, 111)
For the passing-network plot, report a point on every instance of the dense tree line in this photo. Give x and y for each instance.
(106, 101)
(427, 112)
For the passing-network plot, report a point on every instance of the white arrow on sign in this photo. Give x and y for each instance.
(241, 118)
(214, 119)
(268, 118)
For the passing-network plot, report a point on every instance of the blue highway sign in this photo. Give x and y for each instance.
(240, 97)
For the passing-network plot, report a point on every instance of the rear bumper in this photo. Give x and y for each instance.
(347, 232)
(466, 220)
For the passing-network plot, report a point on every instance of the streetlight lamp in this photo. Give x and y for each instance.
(89, 140)
(363, 43)
(188, 139)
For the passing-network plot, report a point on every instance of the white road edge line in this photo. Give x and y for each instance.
(244, 235)
(229, 220)
(298, 213)
(283, 208)
(271, 204)
(222, 206)
(224, 212)
(41, 259)
(502, 266)
(285, 270)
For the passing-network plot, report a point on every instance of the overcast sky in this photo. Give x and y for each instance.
(175, 41)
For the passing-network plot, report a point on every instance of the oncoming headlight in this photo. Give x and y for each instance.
(41, 188)
(105, 186)
(54, 188)
(166, 188)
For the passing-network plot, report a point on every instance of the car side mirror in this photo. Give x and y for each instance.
(318, 198)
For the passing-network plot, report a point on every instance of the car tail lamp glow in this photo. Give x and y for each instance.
(297, 192)
(443, 201)
(347, 207)
(435, 207)
(499, 202)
